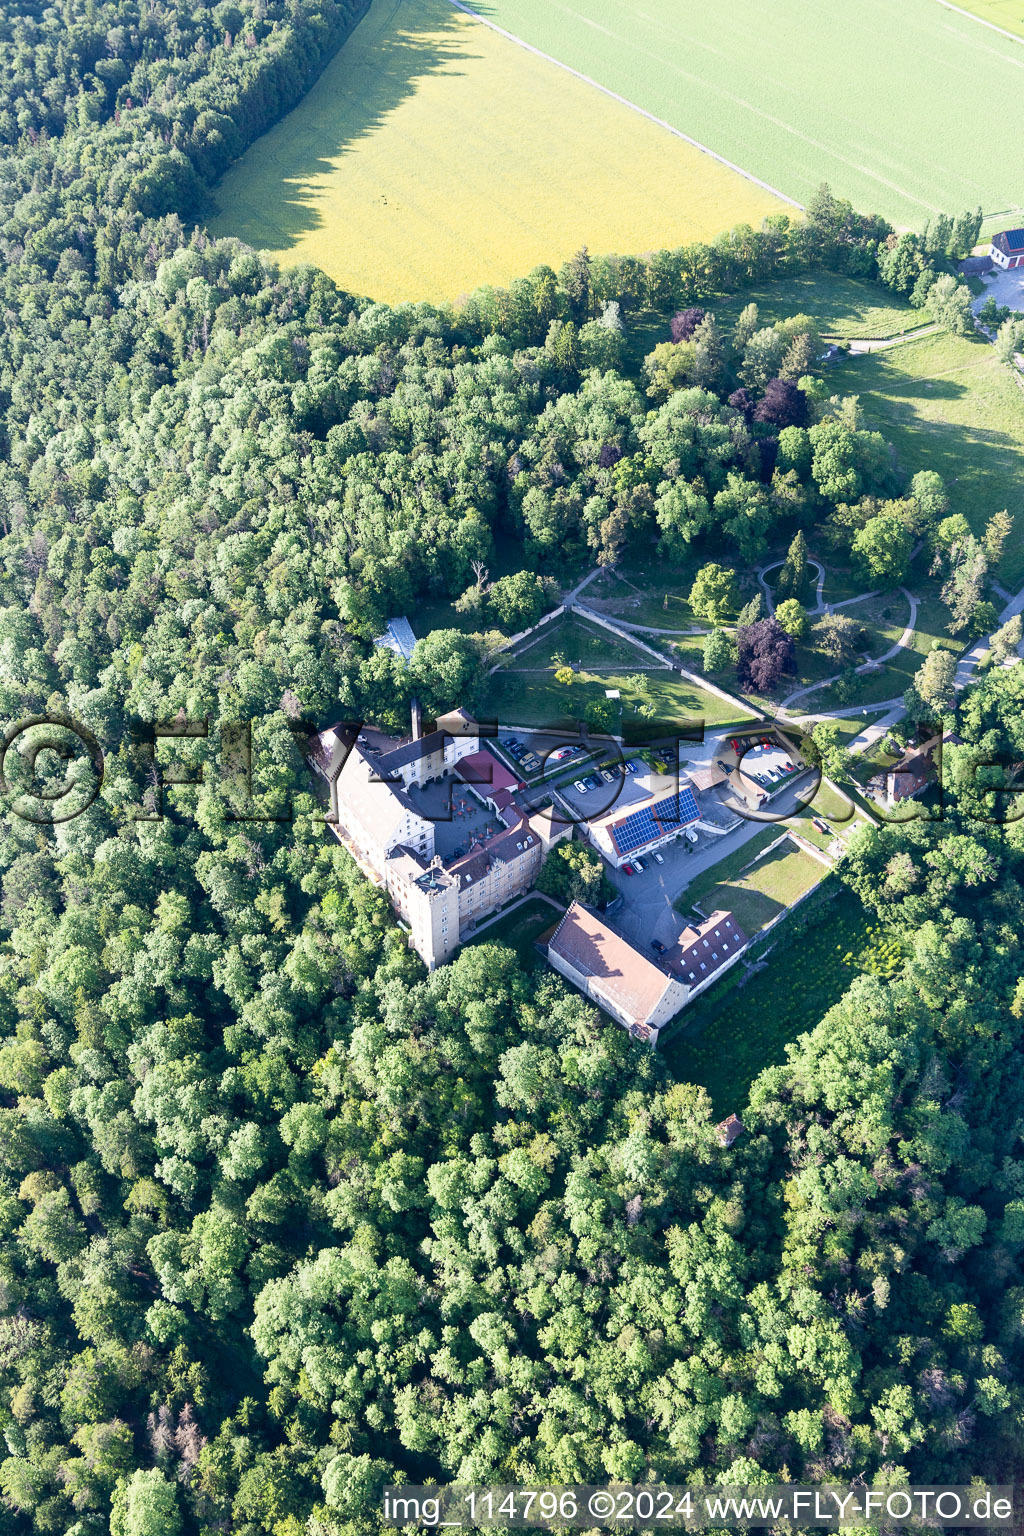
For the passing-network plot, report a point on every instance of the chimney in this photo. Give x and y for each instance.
(417, 720)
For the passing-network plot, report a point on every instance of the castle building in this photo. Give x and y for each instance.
(436, 822)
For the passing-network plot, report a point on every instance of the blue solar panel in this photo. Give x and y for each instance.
(649, 823)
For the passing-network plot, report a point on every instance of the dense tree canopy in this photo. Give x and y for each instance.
(280, 1216)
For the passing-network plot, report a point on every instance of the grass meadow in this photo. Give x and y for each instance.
(945, 404)
(434, 155)
(756, 895)
(798, 92)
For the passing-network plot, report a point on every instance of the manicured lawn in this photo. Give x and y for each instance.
(536, 699)
(932, 619)
(946, 404)
(519, 929)
(434, 155)
(733, 1032)
(891, 104)
(840, 583)
(757, 894)
(579, 642)
(655, 594)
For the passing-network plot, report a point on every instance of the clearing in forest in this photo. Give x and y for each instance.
(896, 103)
(434, 155)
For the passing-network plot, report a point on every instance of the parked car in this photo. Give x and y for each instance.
(789, 766)
(766, 741)
(592, 781)
(725, 767)
(580, 787)
(657, 946)
(531, 762)
(632, 767)
(639, 866)
(734, 743)
(627, 869)
(690, 835)
(658, 859)
(607, 775)
(560, 754)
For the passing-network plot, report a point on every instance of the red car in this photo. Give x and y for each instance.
(734, 743)
(627, 869)
(765, 741)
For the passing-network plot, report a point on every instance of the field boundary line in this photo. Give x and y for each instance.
(1014, 37)
(624, 101)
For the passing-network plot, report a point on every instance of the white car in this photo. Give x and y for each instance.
(639, 866)
(580, 787)
(658, 859)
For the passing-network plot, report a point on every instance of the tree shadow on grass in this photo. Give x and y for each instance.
(267, 197)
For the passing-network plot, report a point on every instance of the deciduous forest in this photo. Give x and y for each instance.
(281, 1217)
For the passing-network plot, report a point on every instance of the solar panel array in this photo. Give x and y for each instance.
(651, 822)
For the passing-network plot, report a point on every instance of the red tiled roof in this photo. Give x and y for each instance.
(483, 769)
(700, 952)
(617, 971)
(728, 1130)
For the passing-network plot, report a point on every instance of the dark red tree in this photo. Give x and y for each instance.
(610, 454)
(742, 400)
(765, 655)
(684, 322)
(783, 405)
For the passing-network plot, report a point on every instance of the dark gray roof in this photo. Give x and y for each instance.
(408, 752)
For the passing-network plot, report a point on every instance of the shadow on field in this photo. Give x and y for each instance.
(391, 50)
(980, 464)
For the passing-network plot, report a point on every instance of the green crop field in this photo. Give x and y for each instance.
(892, 103)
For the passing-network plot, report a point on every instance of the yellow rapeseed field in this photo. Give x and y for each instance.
(434, 155)
(1004, 13)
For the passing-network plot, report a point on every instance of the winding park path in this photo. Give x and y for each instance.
(872, 665)
(769, 600)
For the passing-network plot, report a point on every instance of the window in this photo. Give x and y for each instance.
(706, 945)
(714, 954)
(703, 966)
(718, 933)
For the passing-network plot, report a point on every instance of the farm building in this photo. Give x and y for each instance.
(605, 967)
(1007, 248)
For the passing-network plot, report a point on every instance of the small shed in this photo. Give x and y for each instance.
(728, 1130)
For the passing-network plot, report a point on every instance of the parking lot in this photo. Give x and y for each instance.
(645, 909)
